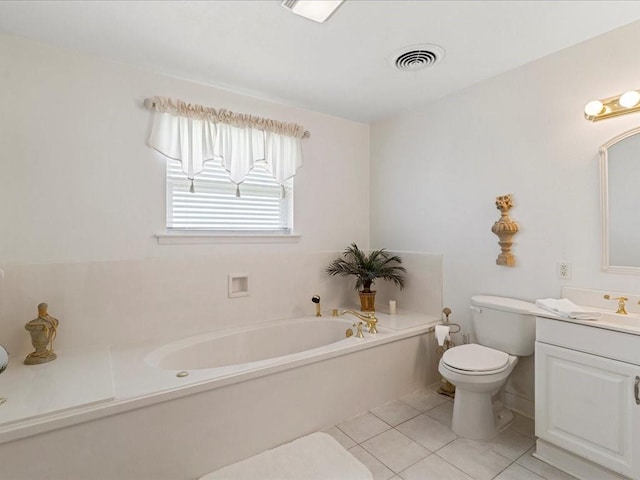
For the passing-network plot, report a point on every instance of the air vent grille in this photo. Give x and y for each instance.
(417, 57)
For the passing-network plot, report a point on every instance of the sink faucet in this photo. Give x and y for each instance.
(621, 303)
(369, 318)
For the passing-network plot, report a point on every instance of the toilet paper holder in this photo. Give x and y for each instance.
(447, 312)
(446, 388)
(445, 343)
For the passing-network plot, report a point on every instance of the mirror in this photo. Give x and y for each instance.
(4, 359)
(4, 363)
(620, 199)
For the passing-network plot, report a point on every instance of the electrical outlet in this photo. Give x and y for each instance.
(564, 270)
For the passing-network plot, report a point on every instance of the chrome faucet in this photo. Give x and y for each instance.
(369, 318)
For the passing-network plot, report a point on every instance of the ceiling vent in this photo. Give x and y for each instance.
(417, 57)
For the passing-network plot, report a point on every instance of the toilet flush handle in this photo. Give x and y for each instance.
(475, 309)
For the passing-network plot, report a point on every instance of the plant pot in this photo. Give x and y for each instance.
(367, 301)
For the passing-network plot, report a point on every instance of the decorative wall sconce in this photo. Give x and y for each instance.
(505, 229)
(622, 104)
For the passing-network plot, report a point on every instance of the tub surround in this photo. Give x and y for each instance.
(138, 301)
(423, 288)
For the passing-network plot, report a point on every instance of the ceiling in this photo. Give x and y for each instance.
(340, 67)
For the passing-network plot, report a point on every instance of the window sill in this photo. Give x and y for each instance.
(218, 238)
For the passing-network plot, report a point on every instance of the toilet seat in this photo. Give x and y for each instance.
(474, 359)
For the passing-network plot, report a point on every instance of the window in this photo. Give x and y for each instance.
(214, 207)
(219, 149)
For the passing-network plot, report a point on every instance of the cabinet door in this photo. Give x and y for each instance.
(586, 404)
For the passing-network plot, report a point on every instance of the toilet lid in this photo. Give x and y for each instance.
(475, 358)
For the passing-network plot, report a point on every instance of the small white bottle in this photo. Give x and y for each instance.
(392, 307)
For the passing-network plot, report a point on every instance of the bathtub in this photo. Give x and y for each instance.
(193, 405)
(228, 356)
(252, 346)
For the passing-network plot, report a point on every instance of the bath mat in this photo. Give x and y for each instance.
(315, 457)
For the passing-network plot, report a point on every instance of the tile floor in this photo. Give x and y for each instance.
(411, 439)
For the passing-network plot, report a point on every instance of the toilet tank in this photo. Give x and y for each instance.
(505, 324)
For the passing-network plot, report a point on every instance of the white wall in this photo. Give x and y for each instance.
(435, 173)
(83, 196)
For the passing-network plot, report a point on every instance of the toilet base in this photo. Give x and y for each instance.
(476, 417)
(503, 417)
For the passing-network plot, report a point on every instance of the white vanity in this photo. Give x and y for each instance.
(587, 394)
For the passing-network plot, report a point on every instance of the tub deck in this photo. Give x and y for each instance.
(74, 379)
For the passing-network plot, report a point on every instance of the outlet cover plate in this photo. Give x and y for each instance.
(564, 270)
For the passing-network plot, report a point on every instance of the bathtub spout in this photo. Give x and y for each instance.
(369, 318)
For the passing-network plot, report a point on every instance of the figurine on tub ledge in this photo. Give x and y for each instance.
(43, 331)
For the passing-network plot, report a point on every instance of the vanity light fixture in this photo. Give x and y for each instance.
(316, 10)
(627, 102)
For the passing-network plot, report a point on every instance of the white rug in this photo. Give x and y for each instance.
(315, 457)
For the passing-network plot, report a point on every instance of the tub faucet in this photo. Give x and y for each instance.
(369, 318)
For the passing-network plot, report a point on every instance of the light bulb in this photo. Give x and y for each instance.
(594, 107)
(629, 99)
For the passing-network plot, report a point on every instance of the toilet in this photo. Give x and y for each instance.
(505, 330)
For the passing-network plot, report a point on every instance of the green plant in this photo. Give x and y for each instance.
(366, 268)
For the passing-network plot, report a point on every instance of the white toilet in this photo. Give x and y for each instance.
(505, 330)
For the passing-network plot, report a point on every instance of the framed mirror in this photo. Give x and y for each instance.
(620, 203)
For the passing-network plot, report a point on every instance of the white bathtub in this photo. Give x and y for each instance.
(220, 358)
(251, 345)
(246, 390)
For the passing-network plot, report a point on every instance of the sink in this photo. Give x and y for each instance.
(595, 301)
(630, 321)
(624, 323)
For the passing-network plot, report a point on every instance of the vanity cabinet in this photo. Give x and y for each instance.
(587, 398)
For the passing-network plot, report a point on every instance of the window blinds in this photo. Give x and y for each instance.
(214, 206)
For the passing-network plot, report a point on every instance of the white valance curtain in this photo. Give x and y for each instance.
(194, 134)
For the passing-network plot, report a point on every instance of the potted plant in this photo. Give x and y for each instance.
(366, 269)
